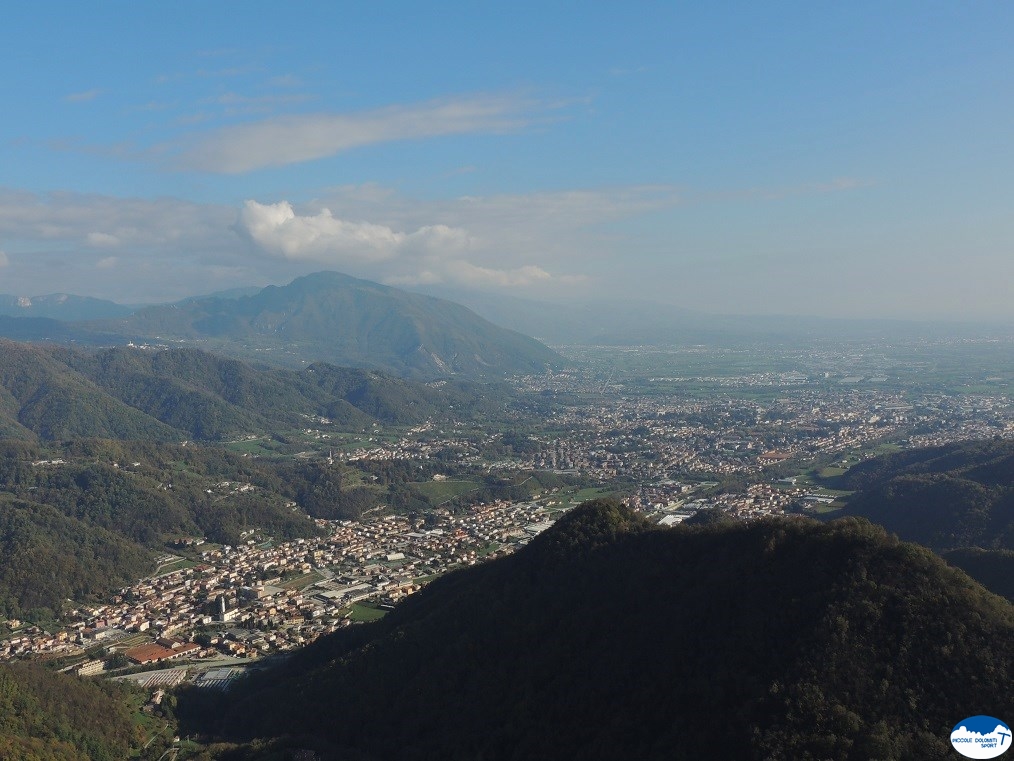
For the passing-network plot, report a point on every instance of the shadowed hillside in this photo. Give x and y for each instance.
(957, 499)
(609, 639)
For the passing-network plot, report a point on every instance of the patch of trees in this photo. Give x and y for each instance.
(48, 557)
(54, 717)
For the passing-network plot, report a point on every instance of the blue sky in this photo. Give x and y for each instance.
(843, 159)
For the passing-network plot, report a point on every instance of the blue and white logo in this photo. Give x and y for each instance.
(980, 737)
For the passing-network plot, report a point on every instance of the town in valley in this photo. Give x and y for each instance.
(670, 431)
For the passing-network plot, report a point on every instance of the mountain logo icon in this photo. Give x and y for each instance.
(981, 737)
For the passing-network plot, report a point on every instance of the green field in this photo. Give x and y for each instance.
(300, 582)
(489, 549)
(362, 613)
(260, 446)
(441, 491)
(175, 565)
(567, 498)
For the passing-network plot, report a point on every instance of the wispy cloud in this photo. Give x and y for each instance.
(95, 221)
(82, 97)
(834, 185)
(285, 80)
(292, 139)
(234, 104)
(4, 261)
(130, 249)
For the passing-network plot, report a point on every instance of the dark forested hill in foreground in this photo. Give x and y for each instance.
(610, 639)
(957, 499)
(51, 392)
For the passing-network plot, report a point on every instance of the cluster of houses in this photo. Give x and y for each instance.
(259, 598)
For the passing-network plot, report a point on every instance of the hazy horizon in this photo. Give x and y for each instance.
(831, 161)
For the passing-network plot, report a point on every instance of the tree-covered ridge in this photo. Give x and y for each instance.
(989, 463)
(48, 557)
(958, 495)
(53, 393)
(994, 569)
(53, 717)
(81, 520)
(780, 639)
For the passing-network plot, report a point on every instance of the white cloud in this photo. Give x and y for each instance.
(102, 240)
(295, 138)
(4, 261)
(322, 237)
(486, 276)
(104, 221)
(167, 247)
(565, 233)
(432, 253)
(82, 97)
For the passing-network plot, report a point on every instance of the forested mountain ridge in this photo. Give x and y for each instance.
(82, 524)
(606, 638)
(324, 317)
(957, 499)
(988, 463)
(957, 495)
(51, 392)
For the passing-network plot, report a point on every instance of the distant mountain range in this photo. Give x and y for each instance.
(326, 317)
(607, 638)
(437, 332)
(61, 306)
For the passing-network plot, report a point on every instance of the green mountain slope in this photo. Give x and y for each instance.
(81, 524)
(54, 717)
(342, 320)
(52, 393)
(41, 396)
(957, 499)
(608, 639)
(958, 495)
(994, 569)
(49, 557)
